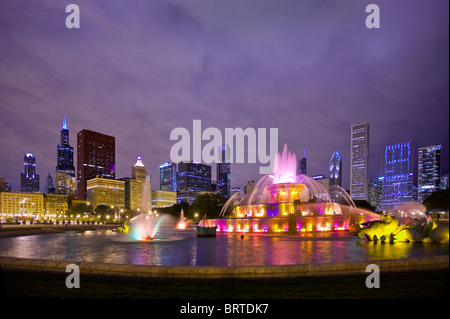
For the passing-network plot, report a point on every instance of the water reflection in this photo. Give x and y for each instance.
(224, 250)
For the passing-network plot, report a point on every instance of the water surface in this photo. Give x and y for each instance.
(184, 249)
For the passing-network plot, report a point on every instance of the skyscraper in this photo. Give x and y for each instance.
(397, 186)
(29, 180)
(302, 164)
(4, 186)
(168, 176)
(65, 152)
(192, 178)
(142, 197)
(49, 187)
(224, 171)
(336, 169)
(65, 171)
(429, 171)
(375, 192)
(359, 155)
(95, 158)
(65, 184)
(105, 191)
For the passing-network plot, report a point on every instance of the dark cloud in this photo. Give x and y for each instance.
(136, 70)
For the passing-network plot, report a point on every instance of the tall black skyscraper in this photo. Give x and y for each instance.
(224, 171)
(336, 169)
(65, 152)
(29, 180)
(302, 164)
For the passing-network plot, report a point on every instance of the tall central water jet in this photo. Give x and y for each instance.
(285, 167)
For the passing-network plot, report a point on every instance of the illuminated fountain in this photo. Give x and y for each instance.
(182, 224)
(146, 225)
(289, 202)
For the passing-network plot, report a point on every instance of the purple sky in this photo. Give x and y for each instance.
(138, 69)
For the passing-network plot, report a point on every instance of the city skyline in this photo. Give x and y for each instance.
(138, 71)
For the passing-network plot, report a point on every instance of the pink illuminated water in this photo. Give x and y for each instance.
(145, 226)
(285, 167)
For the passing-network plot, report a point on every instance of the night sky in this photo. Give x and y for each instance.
(138, 69)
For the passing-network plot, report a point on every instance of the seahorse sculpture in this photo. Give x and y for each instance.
(379, 229)
(387, 229)
(124, 229)
(428, 233)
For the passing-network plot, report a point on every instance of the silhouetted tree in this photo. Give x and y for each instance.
(364, 204)
(437, 200)
(208, 204)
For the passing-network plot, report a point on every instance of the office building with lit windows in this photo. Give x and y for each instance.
(429, 171)
(56, 205)
(95, 158)
(193, 178)
(161, 199)
(18, 205)
(375, 192)
(105, 191)
(397, 186)
(359, 161)
(138, 188)
(168, 176)
(65, 184)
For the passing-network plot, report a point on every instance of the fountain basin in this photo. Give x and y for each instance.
(224, 250)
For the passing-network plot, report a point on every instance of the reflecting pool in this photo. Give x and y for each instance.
(185, 249)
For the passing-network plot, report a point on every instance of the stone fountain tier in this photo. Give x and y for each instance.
(292, 224)
(288, 192)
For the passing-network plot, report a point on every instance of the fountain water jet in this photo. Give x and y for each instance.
(182, 224)
(146, 225)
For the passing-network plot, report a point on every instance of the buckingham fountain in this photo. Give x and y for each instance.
(288, 202)
(291, 203)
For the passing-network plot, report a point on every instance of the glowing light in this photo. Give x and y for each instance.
(326, 228)
(242, 230)
(337, 227)
(260, 213)
(64, 125)
(139, 162)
